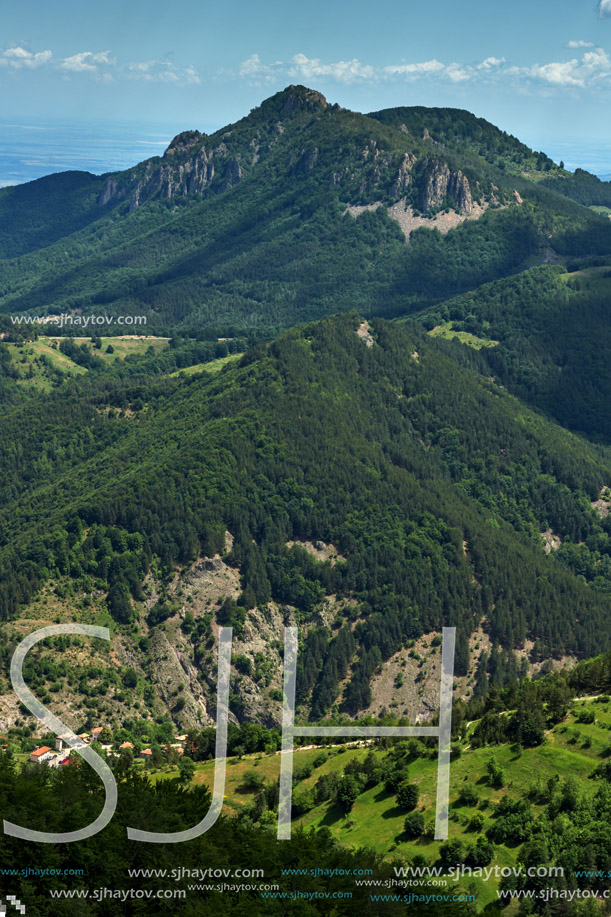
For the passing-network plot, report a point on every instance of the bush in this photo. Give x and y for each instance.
(407, 795)
(477, 822)
(252, 780)
(496, 774)
(347, 791)
(451, 852)
(413, 826)
(479, 854)
(585, 716)
(130, 678)
(468, 796)
(244, 665)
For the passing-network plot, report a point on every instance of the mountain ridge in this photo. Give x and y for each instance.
(203, 235)
(437, 491)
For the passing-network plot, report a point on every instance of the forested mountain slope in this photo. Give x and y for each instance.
(299, 210)
(433, 485)
(547, 337)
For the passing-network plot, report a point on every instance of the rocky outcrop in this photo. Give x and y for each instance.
(233, 174)
(404, 175)
(307, 161)
(439, 183)
(169, 177)
(298, 98)
(109, 191)
(176, 681)
(183, 142)
(460, 191)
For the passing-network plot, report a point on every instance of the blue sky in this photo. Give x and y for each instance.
(539, 69)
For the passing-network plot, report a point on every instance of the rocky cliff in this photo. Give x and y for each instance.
(303, 129)
(442, 185)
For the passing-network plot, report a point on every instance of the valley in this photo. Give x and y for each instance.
(369, 399)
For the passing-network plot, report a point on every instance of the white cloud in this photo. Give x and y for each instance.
(191, 76)
(593, 69)
(255, 70)
(99, 65)
(491, 63)
(426, 67)
(311, 68)
(559, 73)
(78, 62)
(344, 71)
(604, 9)
(252, 66)
(161, 71)
(19, 59)
(458, 74)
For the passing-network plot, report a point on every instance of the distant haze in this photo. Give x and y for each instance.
(30, 151)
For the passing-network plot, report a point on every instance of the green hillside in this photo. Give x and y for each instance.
(529, 788)
(369, 399)
(433, 484)
(552, 336)
(250, 228)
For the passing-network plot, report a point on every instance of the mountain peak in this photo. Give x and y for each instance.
(183, 142)
(295, 99)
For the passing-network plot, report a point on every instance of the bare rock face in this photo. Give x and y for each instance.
(176, 678)
(109, 191)
(404, 175)
(233, 174)
(435, 186)
(297, 98)
(441, 182)
(168, 178)
(183, 142)
(200, 172)
(460, 190)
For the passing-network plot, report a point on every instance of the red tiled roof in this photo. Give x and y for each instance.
(40, 751)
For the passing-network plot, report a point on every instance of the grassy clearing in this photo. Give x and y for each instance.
(214, 366)
(39, 364)
(594, 279)
(446, 330)
(124, 346)
(571, 749)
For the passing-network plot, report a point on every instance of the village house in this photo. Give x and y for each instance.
(62, 740)
(146, 753)
(40, 754)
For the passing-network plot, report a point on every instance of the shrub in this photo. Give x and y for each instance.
(468, 796)
(413, 826)
(407, 795)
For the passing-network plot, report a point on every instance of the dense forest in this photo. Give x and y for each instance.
(552, 337)
(436, 488)
(249, 229)
(370, 400)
